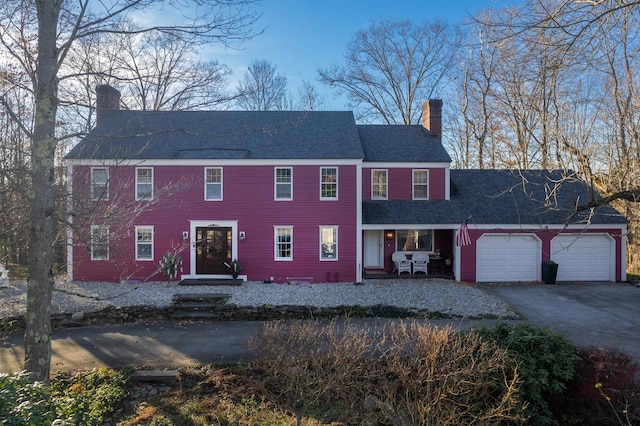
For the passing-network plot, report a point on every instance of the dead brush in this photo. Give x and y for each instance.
(407, 373)
(309, 366)
(439, 376)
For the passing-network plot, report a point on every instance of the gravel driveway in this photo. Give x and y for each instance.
(435, 295)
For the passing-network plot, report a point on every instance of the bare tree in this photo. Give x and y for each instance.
(473, 118)
(163, 73)
(38, 36)
(14, 168)
(309, 99)
(602, 35)
(263, 88)
(563, 94)
(392, 67)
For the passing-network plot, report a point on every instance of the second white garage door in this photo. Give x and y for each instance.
(584, 257)
(508, 257)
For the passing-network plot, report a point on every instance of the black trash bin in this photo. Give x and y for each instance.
(549, 272)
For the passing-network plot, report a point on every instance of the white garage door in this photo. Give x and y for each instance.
(508, 257)
(584, 257)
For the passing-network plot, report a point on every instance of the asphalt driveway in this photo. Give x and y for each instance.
(605, 315)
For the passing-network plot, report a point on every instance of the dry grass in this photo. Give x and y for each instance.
(322, 373)
(416, 375)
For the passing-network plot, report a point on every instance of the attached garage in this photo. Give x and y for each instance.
(584, 257)
(508, 257)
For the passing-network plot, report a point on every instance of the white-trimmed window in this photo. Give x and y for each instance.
(414, 239)
(144, 242)
(213, 184)
(328, 243)
(99, 242)
(378, 184)
(328, 183)
(283, 184)
(144, 183)
(421, 184)
(283, 243)
(99, 183)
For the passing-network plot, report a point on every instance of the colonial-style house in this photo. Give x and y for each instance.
(313, 196)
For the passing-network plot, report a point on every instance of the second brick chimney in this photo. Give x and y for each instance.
(432, 116)
(107, 101)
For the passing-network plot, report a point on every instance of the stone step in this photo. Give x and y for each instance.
(156, 376)
(195, 306)
(195, 315)
(201, 297)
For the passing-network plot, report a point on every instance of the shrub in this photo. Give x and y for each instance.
(545, 362)
(170, 265)
(23, 402)
(79, 399)
(89, 397)
(411, 374)
(603, 391)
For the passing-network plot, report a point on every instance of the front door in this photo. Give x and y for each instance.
(213, 249)
(373, 249)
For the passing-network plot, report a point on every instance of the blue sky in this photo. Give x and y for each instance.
(301, 36)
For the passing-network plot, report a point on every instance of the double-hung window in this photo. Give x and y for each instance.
(144, 183)
(144, 242)
(328, 243)
(421, 184)
(283, 183)
(378, 184)
(99, 242)
(328, 183)
(99, 183)
(213, 184)
(283, 244)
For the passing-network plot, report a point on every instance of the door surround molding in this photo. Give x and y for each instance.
(193, 224)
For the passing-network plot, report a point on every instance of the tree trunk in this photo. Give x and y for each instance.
(37, 337)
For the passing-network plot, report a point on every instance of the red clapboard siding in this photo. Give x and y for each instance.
(400, 183)
(248, 197)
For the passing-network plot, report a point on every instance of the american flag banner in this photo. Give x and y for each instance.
(462, 237)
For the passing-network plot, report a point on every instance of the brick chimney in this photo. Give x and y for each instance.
(432, 116)
(107, 101)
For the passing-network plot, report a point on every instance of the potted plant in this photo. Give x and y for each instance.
(549, 272)
(234, 268)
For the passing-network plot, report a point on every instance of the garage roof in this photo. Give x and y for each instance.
(509, 197)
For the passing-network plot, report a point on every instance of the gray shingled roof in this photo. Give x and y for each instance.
(395, 143)
(496, 197)
(222, 135)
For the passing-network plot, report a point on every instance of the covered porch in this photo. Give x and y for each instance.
(379, 246)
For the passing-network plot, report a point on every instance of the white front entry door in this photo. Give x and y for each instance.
(373, 249)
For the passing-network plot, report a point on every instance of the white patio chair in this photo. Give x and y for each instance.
(401, 262)
(420, 262)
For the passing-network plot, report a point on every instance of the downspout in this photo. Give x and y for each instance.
(359, 222)
(70, 221)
